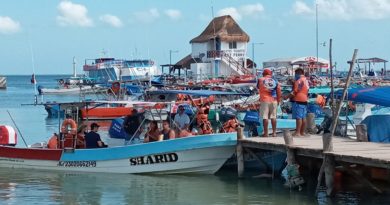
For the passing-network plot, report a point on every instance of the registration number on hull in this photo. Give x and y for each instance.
(76, 164)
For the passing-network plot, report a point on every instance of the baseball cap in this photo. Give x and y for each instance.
(267, 72)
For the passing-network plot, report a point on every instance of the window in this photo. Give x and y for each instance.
(232, 45)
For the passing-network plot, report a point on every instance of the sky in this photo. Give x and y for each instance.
(43, 36)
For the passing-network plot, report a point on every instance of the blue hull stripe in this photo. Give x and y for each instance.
(196, 142)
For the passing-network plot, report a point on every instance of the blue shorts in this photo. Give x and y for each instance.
(299, 111)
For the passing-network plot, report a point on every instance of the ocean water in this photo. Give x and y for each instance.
(18, 186)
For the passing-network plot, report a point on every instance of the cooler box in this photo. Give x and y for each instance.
(7, 135)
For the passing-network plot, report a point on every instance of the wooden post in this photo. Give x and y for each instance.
(329, 173)
(240, 152)
(327, 142)
(311, 125)
(361, 133)
(288, 139)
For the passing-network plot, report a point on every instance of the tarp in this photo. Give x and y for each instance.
(372, 95)
(378, 128)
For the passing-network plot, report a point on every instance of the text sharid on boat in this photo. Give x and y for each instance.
(154, 159)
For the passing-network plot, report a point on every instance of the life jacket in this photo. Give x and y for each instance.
(320, 100)
(301, 89)
(53, 142)
(230, 125)
(206, 128)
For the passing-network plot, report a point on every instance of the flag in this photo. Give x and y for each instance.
(33, 80)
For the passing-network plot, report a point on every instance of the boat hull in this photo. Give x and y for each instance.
(71, 91)
(192, 155)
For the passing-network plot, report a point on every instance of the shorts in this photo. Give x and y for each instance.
(268, 110)
(299, 111)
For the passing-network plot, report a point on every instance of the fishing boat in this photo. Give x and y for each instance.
(3, 82)
(72, 86)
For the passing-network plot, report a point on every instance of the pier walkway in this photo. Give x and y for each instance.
(344, 149)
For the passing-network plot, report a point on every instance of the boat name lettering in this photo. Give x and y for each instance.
(154, 159)
(76, 164)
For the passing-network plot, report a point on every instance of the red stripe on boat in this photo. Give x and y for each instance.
(25, 153)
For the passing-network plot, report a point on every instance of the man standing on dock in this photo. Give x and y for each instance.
(299, 98)
(270, 95)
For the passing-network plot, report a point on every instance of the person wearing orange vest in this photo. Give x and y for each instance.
(299, 98)
(270, 96)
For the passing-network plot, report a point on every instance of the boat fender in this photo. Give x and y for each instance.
(69, 126)
(8, 135)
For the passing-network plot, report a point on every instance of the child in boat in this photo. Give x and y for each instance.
(153, 134)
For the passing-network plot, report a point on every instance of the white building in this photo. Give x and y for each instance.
(220, 50)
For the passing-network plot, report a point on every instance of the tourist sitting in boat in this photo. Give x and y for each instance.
(231, 125)
(181, 120)
(53, 142)
(80, 139)
(153, 134)
(167, 132)
(92, 139)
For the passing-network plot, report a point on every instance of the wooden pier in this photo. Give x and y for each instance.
(343, 153)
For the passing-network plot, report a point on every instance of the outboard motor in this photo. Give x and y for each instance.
(8, 135)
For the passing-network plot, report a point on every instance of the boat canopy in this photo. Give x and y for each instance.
(202, 93)
(372, 95)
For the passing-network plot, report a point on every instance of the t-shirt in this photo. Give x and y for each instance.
(91, 140)
(269, 89)
(182, 120)
(301, 89)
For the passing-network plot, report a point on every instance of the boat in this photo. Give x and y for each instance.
(203, 154)
(200, 154)
(73, 86)
(3, 82)
(111, 69)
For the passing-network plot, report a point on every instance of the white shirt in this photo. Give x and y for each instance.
(182, 120)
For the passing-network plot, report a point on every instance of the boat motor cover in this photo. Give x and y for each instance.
(8, 135)
(116, 130)
(378, 129)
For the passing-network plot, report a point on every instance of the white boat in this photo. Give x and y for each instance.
(203, 154)
(74, 90)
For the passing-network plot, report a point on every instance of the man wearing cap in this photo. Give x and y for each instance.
(270, 95)
(181, 120)
(92, 139)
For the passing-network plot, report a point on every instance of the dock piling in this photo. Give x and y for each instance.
(361, 133)
(240, 152)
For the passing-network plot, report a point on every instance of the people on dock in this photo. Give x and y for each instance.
(92, 139)
(153, 133)
(299, 99)
(181, 120)
(80, 138)
(132, 125)
(270, 96)
(167, 132)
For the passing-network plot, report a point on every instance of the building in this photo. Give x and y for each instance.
(220, 50)
(288, 65)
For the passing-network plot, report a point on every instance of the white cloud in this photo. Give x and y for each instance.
(249, 10)
(147, 16)
(345, 9)
(72, 14)
(8, 25)
(300, 7)
(173, 14)
(113, 21)
(230, 11)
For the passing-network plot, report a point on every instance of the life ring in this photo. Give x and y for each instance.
(69, 123)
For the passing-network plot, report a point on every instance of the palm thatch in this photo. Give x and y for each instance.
(224, 28)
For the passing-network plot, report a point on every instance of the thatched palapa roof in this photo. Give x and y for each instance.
(223, 27)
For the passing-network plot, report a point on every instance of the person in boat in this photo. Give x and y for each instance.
(80, 138)
(299, 98)
(153, 133)
(167, 132)
(231, 125)
(132, 125)
(181, 120)
(92, 138)
(53, 142)
(270, 96)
